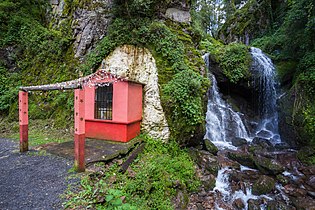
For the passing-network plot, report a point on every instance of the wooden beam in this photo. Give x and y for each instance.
(74, 84)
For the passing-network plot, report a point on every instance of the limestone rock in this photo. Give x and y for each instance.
(138, 64)
(178, 15)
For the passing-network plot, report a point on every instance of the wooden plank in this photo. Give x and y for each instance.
(131, 158)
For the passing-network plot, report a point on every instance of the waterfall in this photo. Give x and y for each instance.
(265, 80)
(222, 123)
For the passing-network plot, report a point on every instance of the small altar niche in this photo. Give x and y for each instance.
(113, 110)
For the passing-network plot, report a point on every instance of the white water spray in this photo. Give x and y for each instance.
(265, 79)
(222, 123)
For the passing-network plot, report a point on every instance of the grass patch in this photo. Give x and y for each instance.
(151, 182)
(40, 132)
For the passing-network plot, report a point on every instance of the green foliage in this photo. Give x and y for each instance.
(309, 122)
(139, 8)
(8, 90)
(39, 56)
(235, 61)
(183, 95)
(150, 183)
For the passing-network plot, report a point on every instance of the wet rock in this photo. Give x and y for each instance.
(208, 182)
(264, 143)
(226, 162)
(246, 176)
(264, 134)
(268, 166)
(238, 142)
(263, 185)
(210, 147)
(307, 170)
(242, 157)
(181, 200)
(311, 182)
(303, 203)
(253, 204)
(238, 204)
(276, 205)
(205, 160)
(294, 190)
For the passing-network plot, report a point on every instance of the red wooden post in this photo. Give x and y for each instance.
(79, 128)
(23, 120)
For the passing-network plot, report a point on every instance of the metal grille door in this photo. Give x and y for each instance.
(104, 102)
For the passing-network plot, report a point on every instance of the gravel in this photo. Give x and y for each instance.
(31, 180)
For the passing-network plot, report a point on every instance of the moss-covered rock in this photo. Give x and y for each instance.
(243, 158)
(268, 166)
(263, 185)
(210, 147)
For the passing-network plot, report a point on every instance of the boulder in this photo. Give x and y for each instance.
(209, 146)
(226, 162)
(238, 204)
(244, 158)
(239, 142)
(268, 166)
(302, 203)
(253, 204)
(263, 185)
(178, 15)
(205, 160)
(264, 143)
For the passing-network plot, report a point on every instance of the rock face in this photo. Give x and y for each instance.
(138, 64)
(89, 23)
(178, 15)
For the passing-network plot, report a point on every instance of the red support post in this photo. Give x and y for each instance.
(23, 120)
(79, 130)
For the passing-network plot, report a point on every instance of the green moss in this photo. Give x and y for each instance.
(234, 59)
(263, 185)
(286, 69)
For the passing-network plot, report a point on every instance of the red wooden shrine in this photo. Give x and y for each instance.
(106, 107)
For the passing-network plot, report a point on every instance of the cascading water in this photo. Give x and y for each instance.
(222, 123)
(265, 79)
